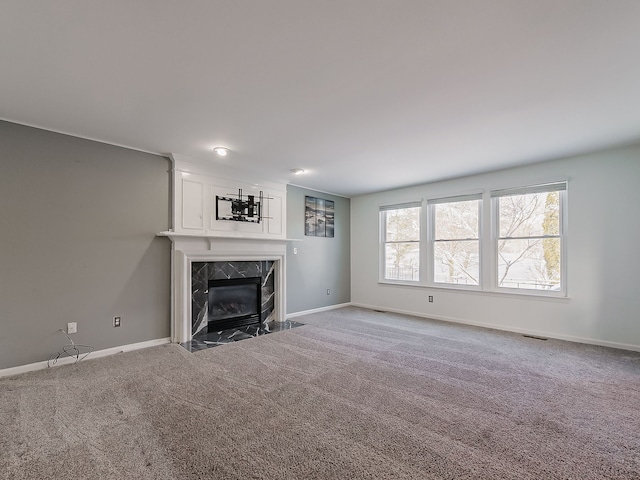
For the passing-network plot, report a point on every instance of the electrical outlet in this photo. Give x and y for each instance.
(328, 291)
(295, 250)
(116, 321)
(430, 298)
(72, 327)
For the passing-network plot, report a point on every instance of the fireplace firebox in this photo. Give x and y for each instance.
(233, 302)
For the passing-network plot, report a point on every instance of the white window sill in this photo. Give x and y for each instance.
(530, 295)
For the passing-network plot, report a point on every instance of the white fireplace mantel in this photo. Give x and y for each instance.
(190, 248)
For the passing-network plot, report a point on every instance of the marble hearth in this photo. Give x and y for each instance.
(197, 258)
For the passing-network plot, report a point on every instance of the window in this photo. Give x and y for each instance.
(529, 243)
(449, 243)
(401, 242)
(455, 240)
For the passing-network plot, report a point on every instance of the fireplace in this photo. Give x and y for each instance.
(198, 259)
(233, 302)
(199, 238)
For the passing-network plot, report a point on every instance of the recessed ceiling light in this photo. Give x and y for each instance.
(221, 151)
(297, 171)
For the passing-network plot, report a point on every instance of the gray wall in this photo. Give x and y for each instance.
(78, 244)
(321, 263)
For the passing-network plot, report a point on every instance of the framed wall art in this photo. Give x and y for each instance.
(319, 217)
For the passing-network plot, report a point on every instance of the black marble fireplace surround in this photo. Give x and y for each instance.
(203, 272)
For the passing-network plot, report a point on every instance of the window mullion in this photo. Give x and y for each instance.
(429, 235)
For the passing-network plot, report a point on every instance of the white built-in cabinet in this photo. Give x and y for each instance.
(196, 185)
(192, 205)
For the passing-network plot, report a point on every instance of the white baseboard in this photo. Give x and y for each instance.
(7, 372)
(537, 333)
(317, 310)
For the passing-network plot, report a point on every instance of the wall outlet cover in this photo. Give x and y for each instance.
(72, 327)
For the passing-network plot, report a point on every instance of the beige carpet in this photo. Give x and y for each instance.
(353, 394)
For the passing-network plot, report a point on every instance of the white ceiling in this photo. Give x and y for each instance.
(364, 94)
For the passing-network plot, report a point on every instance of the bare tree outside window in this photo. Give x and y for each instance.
(526, 241)
(529, 243)
(402, 244)
(456, 244)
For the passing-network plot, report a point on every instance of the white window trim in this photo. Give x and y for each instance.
(382, 241)
(562, 187)
(488, 242)
(430, 260)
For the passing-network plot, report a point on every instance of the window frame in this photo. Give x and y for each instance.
(431, 240)
(383, 210)
(488, 238)
(562, 188)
